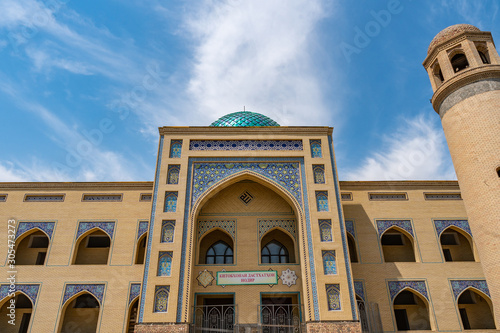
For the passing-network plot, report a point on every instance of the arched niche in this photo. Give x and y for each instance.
(277, 246)
(351, 244)
(140, 250)
(80, 314)
(411, 311)
(133, 311)
(475, 310)
(216, 245)
(456, 245)
(397, 245)
(23, 313)
(92, 248)
(32, 247)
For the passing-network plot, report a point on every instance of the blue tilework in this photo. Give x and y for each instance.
(135, 290)
(396, 286)
(165, 263)
(333, 294)
(441, 225)
(175, 148)
(287, 224)
(97, 290)
(227, 225)
(316, 148)
(319, 174)
(246, 145)
(459, 286)
(207, 175)
(30, 290)
(47, 227)
(173, 174)
(167, 231)
(322, 201)
(359, 289)
(383, 225)
(325, 228)
(329, 264)
(107, 227)
(170, 202)
(161, 298)
(143, 228)
(349, 227)
(150, 239)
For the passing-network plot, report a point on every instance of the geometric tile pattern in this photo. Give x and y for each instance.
(205, 278)
(243, 119)
(175, 148)
(107, 227)
(135, 290)
(165, 263)
(266, 225)
(288, 277)
(319, 173)
(349, 227)
(359, 289)
(383, 225)
(322, 201)
(167, 231)
(227, 225)
(207, 174)
(245, 145)
(396, 286)
(316, 148)
(333, 294)
(31, 290)
(460, 285)
(47, 227)
(173, 174)
(325, 227)
(97, 290)
(161, 298)
(329, 264)
(143, 228)
(170, 202)
(441, 225)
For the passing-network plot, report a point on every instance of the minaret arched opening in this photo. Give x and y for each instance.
(459, 62)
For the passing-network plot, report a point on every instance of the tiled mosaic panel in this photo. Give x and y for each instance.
(175, 148)
(459, 286)
(266, 225)
(329, 263)
(97, 290)
(227, 225)
(107, 227)
(135, 290)
(143, 228)
(173, 174)
(383, 225)
(245, 145)
(396, 286)
(31, 290)
(165, 263)
(319, 174)
(170, 202)
(333, 294)
(167, 231)
(161, 298)
(286, 174)
(325, 227)
(47, 227)
(359, 289)
(316, 149)
(349, 227)
(441, 225)
(322, 201)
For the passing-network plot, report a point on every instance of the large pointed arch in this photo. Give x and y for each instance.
(87, 317)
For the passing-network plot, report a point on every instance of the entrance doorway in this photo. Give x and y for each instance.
(217, 313)
(280, 314)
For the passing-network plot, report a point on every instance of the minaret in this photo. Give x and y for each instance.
(464, 69)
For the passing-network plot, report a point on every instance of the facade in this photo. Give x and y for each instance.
(246, 228)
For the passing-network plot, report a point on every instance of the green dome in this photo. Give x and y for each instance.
(243, 119)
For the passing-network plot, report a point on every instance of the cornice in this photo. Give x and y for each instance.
(281, 130)
(94, 186)
(400, 185)
(462, 79)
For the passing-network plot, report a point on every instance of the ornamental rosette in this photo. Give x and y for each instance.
(288, 277)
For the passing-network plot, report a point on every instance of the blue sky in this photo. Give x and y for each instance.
(84, 85)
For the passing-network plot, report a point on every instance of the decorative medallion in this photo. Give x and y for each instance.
(246, 197)
(288, 277)
(205, 278)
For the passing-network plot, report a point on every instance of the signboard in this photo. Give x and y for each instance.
(249, 277)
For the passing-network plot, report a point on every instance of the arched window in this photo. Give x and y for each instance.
(93, 249)
(484, 58)
(438, 74)
(459, 62)
(141, 249)
(274, 253)
(397, 247)
(411, 312)
(32, 249)
(132, 317)
(23, 311)
(219, 253)
(81, 312)
(456, 245)
(475, 311)
(351, 243)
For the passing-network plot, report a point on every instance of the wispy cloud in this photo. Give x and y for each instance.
(415, 151)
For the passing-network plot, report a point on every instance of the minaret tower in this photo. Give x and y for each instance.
(464, 69)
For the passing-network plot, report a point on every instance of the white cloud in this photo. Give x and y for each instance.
(415, 151)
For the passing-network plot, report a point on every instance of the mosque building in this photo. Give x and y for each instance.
(247, 228)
